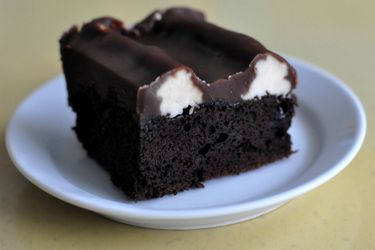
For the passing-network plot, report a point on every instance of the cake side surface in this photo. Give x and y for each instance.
(169, 155)
(218, 139)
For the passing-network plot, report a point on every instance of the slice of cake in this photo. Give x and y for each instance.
(175, 100)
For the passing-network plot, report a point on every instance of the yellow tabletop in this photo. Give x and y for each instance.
(336, 35)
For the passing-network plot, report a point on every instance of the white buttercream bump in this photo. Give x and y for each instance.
(158, 16)
(270, 78)
(178, 92)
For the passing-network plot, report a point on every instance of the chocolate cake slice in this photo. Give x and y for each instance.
(175, 100)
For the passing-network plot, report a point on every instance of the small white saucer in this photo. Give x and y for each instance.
(327, 131)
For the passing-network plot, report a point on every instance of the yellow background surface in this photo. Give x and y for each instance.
(336, 35)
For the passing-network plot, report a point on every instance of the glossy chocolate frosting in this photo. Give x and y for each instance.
(199, 61)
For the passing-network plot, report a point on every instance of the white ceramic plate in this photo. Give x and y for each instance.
(328, 131)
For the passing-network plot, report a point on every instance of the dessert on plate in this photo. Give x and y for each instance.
(175, 100)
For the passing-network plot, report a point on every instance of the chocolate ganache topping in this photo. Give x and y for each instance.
(175, 60)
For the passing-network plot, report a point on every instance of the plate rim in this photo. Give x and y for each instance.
(115, 208)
